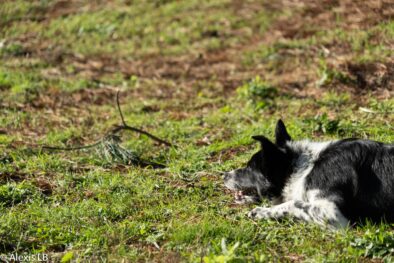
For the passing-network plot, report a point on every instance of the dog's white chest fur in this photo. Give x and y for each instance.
(296, 200)
(302, 195)
(307, 152)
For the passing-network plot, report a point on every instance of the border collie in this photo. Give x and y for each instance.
(331, 183)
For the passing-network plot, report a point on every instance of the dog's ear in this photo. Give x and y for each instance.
(259, 138)
(270, 150)
(281, 134)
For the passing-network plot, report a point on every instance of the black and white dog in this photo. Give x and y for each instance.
(333, 182)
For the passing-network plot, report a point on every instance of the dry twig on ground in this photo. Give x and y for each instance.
(110, 144)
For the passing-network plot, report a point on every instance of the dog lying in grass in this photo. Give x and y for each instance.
(331, 183)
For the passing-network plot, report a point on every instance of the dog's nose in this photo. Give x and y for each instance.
(223, 175)
(227, 175)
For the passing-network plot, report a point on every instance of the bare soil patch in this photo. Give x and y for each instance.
(373, 76)
(310, 16)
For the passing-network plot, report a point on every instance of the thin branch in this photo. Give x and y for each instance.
(71, 148)
(117, 129)
(124, 126)
(153, 137)
(119, 109)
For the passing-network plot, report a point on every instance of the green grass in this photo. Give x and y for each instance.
(205, 76)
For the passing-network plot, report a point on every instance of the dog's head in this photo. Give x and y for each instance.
(266, 172)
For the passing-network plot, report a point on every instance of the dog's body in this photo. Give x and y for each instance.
(332, 183)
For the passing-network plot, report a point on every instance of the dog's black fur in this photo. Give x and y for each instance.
(332, 182)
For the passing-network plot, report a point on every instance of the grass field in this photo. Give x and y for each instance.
(203, 75)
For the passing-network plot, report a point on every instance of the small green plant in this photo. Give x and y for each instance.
(335, 99)
(5, 84)
(329, 75)
(321, 123)
(386, 106)
(12, 49)
(377, 243)
(67, 257)
(266, 52)
(259, 92)
(227, 255)
(13, 193)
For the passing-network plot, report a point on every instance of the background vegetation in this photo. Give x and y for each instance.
(205, 75)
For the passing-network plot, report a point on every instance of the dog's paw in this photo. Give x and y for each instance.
(260, 213)
(241, 199)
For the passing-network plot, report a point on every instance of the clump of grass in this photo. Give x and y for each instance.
(335, 99)
(112, 151)
(12, 49)
(376, 242)
(260, 93)
(228, 254)
(13, 193)
(329, 75)
(321, 123)
(23, 86)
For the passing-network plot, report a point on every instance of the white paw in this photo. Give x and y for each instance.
(260, 213)
(240, 198)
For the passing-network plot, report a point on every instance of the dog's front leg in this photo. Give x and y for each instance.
(321, 212)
